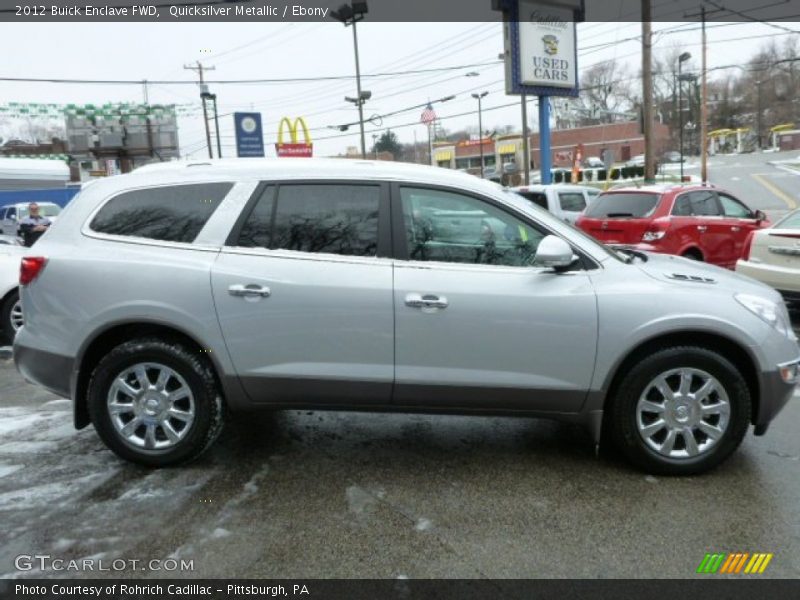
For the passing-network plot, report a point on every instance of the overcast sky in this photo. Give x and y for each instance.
(241, 50)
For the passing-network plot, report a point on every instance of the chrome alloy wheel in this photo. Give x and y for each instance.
(16, 316)
(683, 413)
(151, 406)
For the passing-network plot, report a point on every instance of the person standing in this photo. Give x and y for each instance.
(34, 225)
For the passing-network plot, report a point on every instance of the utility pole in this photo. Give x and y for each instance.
(526, 150)
(200, 68)
(647, 91)
(704, 101)
(144, 91)
(703, 106)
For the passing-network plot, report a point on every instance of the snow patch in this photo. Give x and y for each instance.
(423, 524)
(219, 532)
(8, 469)
(28, 447)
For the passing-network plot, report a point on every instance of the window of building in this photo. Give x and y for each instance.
(170, 213)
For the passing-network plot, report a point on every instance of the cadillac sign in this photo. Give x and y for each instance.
(541, 56)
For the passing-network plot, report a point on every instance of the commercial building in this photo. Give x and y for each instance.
(505, 152)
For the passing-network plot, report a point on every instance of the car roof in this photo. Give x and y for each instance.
(290, 168)
(663, 188)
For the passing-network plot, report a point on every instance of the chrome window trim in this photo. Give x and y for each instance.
(312, 256)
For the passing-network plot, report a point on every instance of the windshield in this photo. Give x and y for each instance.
(622, 204)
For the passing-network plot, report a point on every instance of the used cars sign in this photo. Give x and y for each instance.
(547, 46)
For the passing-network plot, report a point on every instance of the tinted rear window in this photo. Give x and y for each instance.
(327, 218)
(622, 205)
(169, 214)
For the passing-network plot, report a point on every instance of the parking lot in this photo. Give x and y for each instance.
(314, 494)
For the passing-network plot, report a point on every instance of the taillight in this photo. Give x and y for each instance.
(652, 236)
(748, 243)
(30, 267)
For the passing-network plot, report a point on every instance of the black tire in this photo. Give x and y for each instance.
(7, 332)
(693, 255)
(622, 411)
(199, 377)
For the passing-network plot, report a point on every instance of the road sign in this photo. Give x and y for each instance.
(249, 135)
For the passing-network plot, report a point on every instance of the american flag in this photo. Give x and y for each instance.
(428, 115)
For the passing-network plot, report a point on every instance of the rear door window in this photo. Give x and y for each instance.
(623, 204)
(324, 218)
(704, 204)
(572, 201)
(170, 213)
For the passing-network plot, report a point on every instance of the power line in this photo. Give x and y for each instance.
(238, 81)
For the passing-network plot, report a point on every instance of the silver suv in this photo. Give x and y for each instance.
(163, 298)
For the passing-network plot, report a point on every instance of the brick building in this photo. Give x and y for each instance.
(624, 139)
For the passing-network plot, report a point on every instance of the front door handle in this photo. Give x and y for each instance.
(735, 228)
(701, 228)
(250, 290)
(426, 301)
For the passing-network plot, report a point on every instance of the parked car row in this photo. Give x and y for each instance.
(699, 222)
(164, 297)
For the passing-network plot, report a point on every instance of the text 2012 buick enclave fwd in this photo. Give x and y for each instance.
(163, 298)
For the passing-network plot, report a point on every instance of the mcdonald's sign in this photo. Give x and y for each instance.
(294, 148)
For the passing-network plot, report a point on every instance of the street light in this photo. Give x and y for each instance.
(479, 97)
(350, 14)
(681, 59)
(206, 95)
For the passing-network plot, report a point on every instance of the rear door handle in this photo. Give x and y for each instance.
(701, 228)
(735, 228)
(250, 290)
(426, 301)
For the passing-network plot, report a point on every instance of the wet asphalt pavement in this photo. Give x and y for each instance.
(303, 494)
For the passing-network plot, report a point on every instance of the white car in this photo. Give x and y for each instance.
(566, 201)
(772, 256)
(10, 306)
(12, 214)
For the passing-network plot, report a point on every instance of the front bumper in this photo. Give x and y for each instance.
(776, 391)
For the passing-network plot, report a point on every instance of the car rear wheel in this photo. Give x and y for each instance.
(155, 402)
(693, 255)
(10, 318)
(680, 411)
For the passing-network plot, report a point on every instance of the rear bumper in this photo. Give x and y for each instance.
(785, 280)
(47, 369)
(775, 393)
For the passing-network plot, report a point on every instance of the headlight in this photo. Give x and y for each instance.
(773, 313)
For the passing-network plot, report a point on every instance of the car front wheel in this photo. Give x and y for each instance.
(155, 402)
(680, 411)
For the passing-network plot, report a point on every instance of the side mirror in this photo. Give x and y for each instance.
(760, 215)
(555, 253)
